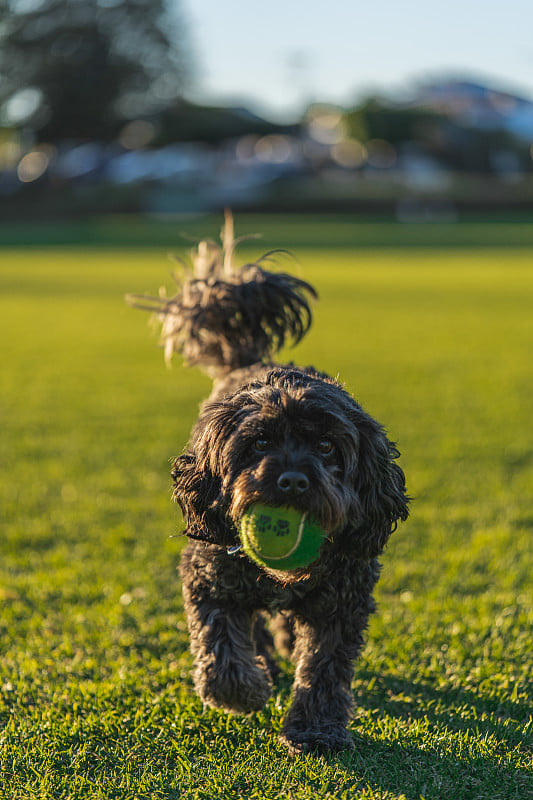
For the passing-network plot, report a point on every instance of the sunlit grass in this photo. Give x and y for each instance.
(95, 695)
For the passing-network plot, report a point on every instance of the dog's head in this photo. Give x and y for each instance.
(292, 439)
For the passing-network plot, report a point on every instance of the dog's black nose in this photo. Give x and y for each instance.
(293, 483)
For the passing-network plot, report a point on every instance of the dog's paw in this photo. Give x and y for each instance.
(239, 689)
(329, 738)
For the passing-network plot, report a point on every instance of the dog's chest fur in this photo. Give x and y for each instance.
(234, 580)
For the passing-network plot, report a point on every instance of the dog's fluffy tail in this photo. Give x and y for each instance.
(222, 317)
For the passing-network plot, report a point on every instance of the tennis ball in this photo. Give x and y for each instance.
(280, 538)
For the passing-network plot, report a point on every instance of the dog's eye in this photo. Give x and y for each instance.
(326, 447)
(261, 445)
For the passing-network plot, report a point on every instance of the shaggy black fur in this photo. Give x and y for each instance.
(261, 422)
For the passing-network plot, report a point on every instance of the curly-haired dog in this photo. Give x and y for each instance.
(281, 436)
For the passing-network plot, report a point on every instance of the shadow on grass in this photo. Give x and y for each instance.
(461, 747)
(458, 708)
(411, 772)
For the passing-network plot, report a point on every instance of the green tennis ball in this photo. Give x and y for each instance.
(280, 538)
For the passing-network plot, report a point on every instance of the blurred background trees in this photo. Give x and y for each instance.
(80, 68)
(98, 115)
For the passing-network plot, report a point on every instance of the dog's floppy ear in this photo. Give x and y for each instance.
(380, 496)
(197, 492)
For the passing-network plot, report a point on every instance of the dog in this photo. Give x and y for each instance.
(281, 436)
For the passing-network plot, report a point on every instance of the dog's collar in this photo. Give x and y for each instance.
(200, 537)
(232, 550)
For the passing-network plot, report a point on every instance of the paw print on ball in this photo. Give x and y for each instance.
(263, 524)
(279, 528)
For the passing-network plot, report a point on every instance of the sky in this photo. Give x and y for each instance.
(276, 56)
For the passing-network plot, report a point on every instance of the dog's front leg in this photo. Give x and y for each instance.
(228, 673)
(325, 652)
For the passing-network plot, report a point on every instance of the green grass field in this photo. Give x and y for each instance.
(96, 699)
